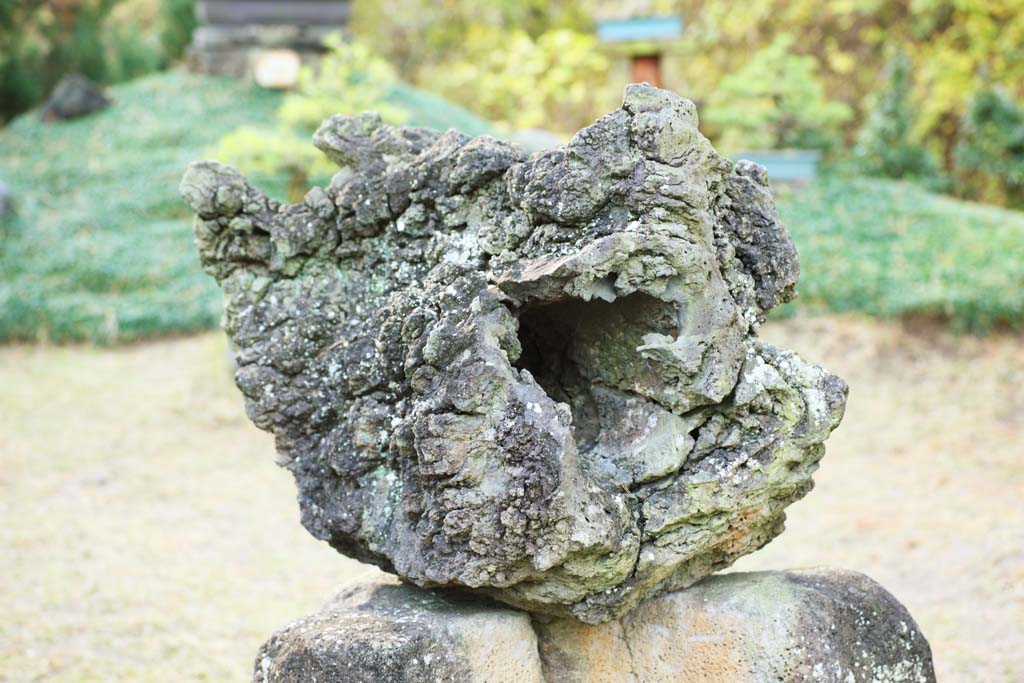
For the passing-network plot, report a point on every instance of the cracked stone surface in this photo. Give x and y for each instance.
(537, 378)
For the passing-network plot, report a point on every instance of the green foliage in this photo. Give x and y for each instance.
(991, 150)
(885, 144)
(558, 79)
(350, 79)
(100, 246)
(106, 44)
(775, 101)
(892, 248)
(21, 60)
(520, 63)
(178, 22)
(947, 42)
(420, 34)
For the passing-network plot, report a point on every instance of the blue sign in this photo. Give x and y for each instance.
(785, 165)
(644, 28)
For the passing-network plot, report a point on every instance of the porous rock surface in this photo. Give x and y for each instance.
(786, 627)
(537, 378)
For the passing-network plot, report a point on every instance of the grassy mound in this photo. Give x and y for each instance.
(101, 245)
(889, 249)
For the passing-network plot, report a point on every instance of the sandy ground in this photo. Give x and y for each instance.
(145, 534)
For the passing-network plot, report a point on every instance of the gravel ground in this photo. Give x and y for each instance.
(147, 537)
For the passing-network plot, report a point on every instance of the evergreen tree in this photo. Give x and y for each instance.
(991, 149)
(885, 143)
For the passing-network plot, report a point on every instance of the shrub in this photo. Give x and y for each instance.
(991, 149)
(885, 145)
(21, 60)
(37, 47)
(775, 101)
(890, 248)
(178, 22)
(348, 80)
(558, 80)
(100, 247)
(421, 34)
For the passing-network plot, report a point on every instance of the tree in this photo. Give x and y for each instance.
(350, 79)
(885, 144)
(775, 100)
(991, 149)
(558, 80)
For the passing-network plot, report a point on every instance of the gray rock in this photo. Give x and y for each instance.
(6, 202)
(537, 378)
(827, 626)
(74, 96)
(786, 627)
(384, 632)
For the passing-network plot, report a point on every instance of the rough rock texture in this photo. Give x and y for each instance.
(386, 632)
(533, 377)
(74, 96)
(786, 627)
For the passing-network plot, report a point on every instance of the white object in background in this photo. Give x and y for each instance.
(277, 69)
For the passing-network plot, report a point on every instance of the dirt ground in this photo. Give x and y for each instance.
(145, 534)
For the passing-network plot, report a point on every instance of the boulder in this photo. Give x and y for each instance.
(827, 626)
(785, 627)
(6, 201)
(378, 632)
(74, 96)
(537, 378)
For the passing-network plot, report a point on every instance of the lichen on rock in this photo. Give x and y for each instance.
(537, 378)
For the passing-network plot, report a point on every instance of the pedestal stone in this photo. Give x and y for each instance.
(827, 626)
(377, 632)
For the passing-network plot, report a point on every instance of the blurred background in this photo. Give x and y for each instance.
(145, 534)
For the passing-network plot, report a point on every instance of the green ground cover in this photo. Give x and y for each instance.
(890, 248)
(100, 247)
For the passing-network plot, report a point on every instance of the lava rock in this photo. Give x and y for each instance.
(74, 96)
(534, 377)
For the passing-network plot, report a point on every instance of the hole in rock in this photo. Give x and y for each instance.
(583, 353)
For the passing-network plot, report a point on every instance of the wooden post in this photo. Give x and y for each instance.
(647, 69)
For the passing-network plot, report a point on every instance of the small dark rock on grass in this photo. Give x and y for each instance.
(74, 96)
(6, 203)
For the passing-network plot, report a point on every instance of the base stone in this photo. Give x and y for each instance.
(784, 627)
(386, 631)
